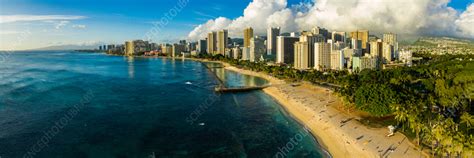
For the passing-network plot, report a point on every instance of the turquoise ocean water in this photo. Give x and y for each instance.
(70, 104)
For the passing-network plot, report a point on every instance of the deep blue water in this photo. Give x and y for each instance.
(69, 104)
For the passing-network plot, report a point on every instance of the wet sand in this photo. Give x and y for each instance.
(337, 131)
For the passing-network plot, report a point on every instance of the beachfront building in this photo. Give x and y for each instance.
(177, 49)
(245, 53)
(285, 49)
(311, 38)
(222, 41)
(272, 34)
(136, 47)
(201, 46)
(141, 46)
(129, 48)
(301, 55)
(322, 56)
(257, 48)
(191, 46)
(337, 60)
(212, 43)
(236, 52)
(166, 49)
(248, 34)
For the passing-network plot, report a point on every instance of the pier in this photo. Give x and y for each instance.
(224, 89)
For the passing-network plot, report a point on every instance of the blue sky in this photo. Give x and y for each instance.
(110, 21)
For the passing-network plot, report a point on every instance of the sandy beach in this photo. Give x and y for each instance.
(337, 131)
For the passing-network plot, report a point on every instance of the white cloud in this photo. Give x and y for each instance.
(201, 31)
(61, 24)
(466, 22)
(79, 26)
(409, 17)
(402, 16)
(255, 15)
(24, 18)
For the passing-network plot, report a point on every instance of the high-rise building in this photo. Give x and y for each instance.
(391, 39)
(322, 56)
(177, 49)
(336, 46)
(339, 37)
(201, 46)
(228, 53)
(387, 52)
(349, 54)
(248, 34)
(337, 60)
(311, 39)
(245, 53)
(211, 43)
(236, 52)
(301, 55)
(129, 48)
(363, 36)
(166, 49)
(321, 31)
(365, 62)
(257, 48)
(272, 34)
(222, 41)
(191, 46)
(376, 49)
(356, 44)
(285, 49)
(110, 46)
(140, 46)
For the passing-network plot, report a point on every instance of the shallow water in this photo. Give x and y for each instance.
(69, 104)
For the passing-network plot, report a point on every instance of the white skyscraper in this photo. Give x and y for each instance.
(272, 34)
(285, 49)
(257, 48)
(322, 55)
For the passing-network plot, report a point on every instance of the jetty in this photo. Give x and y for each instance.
(222, 88)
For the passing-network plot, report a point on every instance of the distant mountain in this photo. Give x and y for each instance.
(444, 42)
(71, 47)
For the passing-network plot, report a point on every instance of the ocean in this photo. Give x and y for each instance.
(70, 104)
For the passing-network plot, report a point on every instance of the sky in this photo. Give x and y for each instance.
(29, 24)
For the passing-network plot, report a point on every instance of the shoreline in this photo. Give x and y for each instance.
(336, 132)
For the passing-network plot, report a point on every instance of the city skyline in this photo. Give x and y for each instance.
(55, 22)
